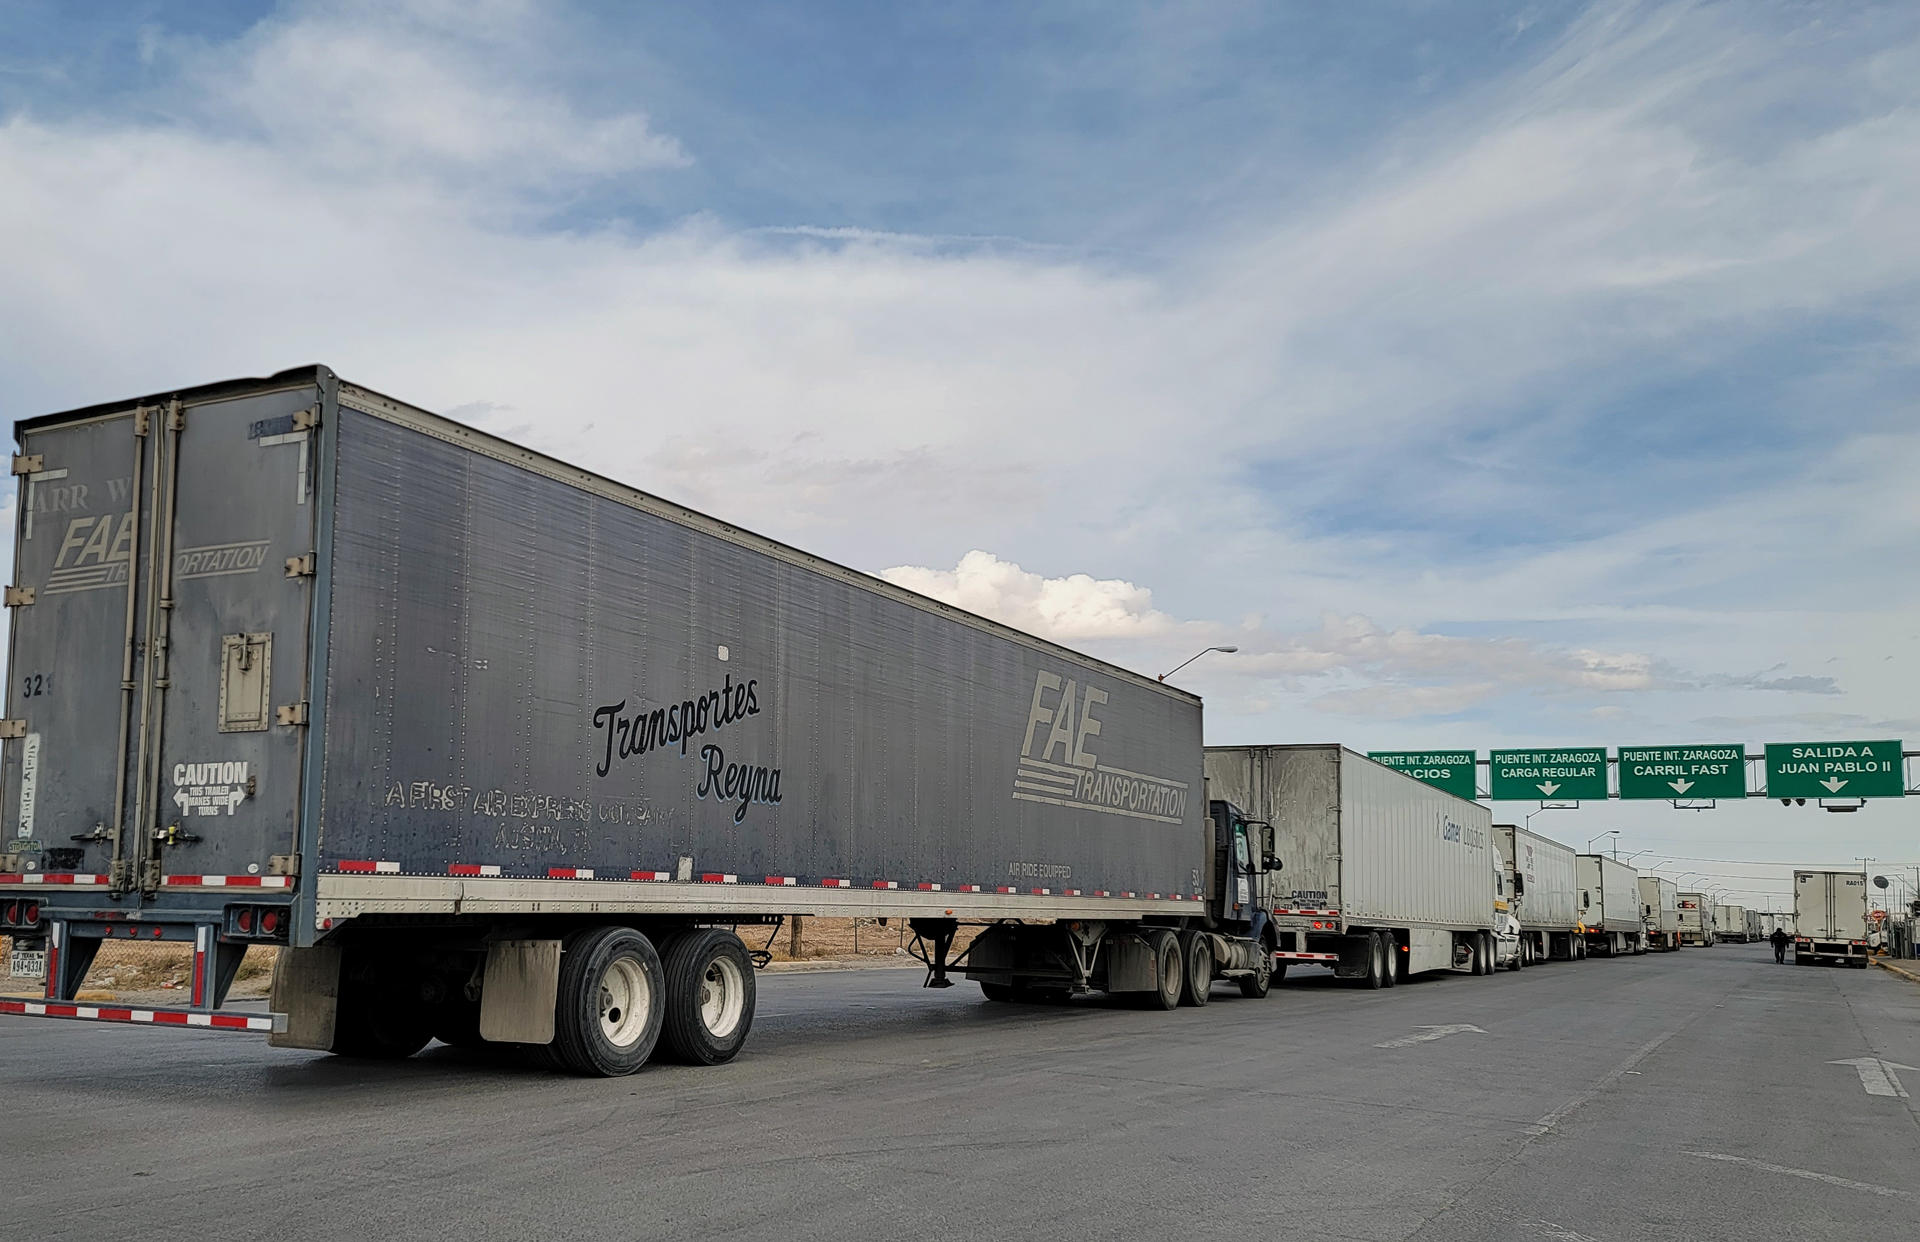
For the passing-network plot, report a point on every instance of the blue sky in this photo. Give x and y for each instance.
(1495, 374)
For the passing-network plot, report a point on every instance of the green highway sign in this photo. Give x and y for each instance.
(1451, 770)
(1549, 775)
(1834, 770)
(1669, 772)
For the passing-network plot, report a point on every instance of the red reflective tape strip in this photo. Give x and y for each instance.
(969, 888)
(924, 887)
(782, 881)
(1072, 892)
(356, 866)
(1003, 890)
(569, 873)
(714, 877)
(837, 883)
(656, 877)
(886, 884)
(1043, 892)
(1100, 892)
(153, 1017)
(1308, 957)
(51, 877)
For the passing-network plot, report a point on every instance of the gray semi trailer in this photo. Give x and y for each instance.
(499, 750)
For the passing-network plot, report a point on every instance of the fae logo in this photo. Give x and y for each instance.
(1058, 765)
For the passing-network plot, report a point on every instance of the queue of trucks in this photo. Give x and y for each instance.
(493, 749)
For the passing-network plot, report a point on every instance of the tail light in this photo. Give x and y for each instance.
(31, 914)
(245, 919)
(269, 922)
(11, 913)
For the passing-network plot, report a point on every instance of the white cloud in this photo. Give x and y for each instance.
(1075, 608)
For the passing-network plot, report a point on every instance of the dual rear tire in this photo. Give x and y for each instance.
(620, 998)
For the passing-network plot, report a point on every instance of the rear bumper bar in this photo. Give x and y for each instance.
(193, 1019)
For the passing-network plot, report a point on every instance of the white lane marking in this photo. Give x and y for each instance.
(1809, 1174)
(1877, 1076)
(1432, 1033)
(1618, 1072)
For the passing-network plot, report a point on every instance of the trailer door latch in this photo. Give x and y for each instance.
(19, 596)
(300, 566)
(291, 714)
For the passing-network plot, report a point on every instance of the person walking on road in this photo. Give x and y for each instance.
(1780, 939)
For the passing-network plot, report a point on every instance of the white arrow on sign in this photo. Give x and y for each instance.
(1833, 784)
(1547, 787)
(1432, 1033)
(1680, 786)
(1877, 1076)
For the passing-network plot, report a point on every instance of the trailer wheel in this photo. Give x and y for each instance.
(1484, 943)
(612, 997)
(1256, 985)
(1165, 947)
(380, 1017)
(999, 993)
(1376, 963)
(710, 996)
(1389, 961)
(1196, 968)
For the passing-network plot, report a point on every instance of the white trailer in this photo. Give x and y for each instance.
(1382, 876)
(1730, 922)
(1830, 917)
(1660, 906)
(1610, 916)
(1696, 920)
(1537, 875)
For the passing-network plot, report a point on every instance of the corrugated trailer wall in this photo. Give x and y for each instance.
(515, 657)
(1360, 838)
(1552, 899)
(1412, 855)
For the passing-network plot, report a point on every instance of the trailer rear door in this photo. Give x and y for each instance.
(165, 634)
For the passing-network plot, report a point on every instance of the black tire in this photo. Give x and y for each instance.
(606, 974)
(1376, 963)
(999, 993)
(1389, 960)
(1196, 968)
(1256, 985)
(711, 993)
(1487, 952)
(458, 1025)
(1165, 947)
(1519, 952)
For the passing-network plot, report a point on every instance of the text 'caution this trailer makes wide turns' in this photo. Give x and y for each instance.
(501, 750)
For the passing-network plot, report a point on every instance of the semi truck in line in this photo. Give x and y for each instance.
(1730, 923)
(1610, 905)
(1757, 928)
(1696, 920)
(1660, 904)
(499, 750)
(1385, 876)
(1830, 918)
(1538, 874)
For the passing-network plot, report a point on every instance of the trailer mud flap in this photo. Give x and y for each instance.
(306, 988)
(519, 991)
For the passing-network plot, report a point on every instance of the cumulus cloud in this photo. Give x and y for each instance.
(1074, 608)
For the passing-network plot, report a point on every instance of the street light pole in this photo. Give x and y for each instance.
(1611, 832)
(1195, 656)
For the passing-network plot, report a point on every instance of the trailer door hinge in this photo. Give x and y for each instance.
(307, 419)
(300, 566)
(19, 597)
(142, 421)
(13, 728)
(29, 463)
(291, 714)
(284, 864)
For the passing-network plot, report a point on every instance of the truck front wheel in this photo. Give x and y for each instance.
(710, 996)
(610, 1008)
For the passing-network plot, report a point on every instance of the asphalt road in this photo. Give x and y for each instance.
(1687, 1096)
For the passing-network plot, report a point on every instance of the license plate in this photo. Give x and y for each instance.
(28, 964)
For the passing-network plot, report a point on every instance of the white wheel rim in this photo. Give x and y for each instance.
(723, 997)
(626, 1002)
